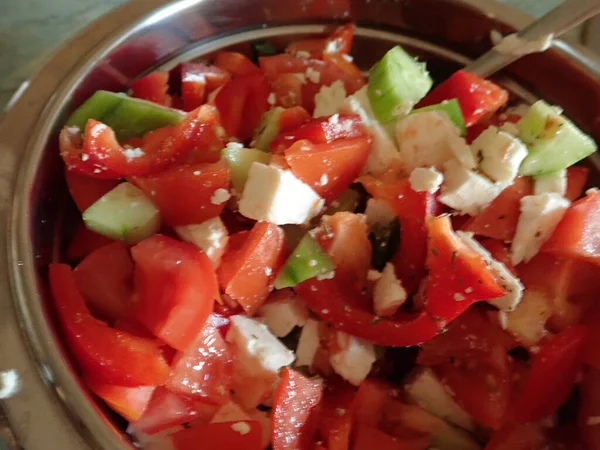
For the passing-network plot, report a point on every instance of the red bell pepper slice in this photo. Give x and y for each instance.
(478, 98)
(85, 242)
(295, 399)
(458, 276)
(186, 195)
(340, 306)
(368, 438)
(86, 190)
(578, 233)
(292, 118)
(241, 103)
(370, 400)
(245, 435)
(112, 356)
(105, 279)
(339, 42)
(176, 287)
(236, 64)
(540, 393)
(335, 416)
(129, 402)
(153, 87)
(328, 168)
(195, 80)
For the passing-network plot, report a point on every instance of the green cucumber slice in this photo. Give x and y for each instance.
(261, 48)
(240, 159)
(129, 117)
(452, 109)
(553, 141)
(396, 83)
(307, 261)
(268, 129)
(124, 213)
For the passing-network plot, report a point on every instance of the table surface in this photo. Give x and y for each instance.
(31, 29)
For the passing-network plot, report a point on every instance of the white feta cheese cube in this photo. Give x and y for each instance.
(283, 312)
(210, 236)
(230, 412)
(388, 293)
(378, 212)
(426, 390)
(275, 195)
(308, 343)
(425, 179)
(354, 360)
(329, 99)
(500, 153)
(539, 216)
(551, 183)
(466, 191)
(430, 139)
(510, 283)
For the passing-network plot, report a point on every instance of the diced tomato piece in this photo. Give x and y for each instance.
(176, 287)
(241, 103)
(328, 168)
(244, 435)
(152, 87)
(189, 194)
(578, 233)
(85, 242)
(481, 386)
(195, 80)
(478, 98)
(470, 335)
(204, 370)
(112, 356)
(499, 219)
(129, 402)
(249, 266)
(295, 399)
(499, 252)
(576, 181)
(370, 400)
(458, 276)
(86, 190)
(236, 64)
(412, 209)
(287, 88)
(313, 47)
(368, 438)
(348, 67)
(339, 42)
(165, 410)
(105, 279)
(343, 307)
(292, 118)
(518, 437)
(137, 329)
(346, 241)
(335, 417)
(322, 130)
(590, 407)
(541, 394)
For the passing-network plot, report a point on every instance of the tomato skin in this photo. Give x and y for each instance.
(204, 370)
(86, 190)
(478, 98)
(242, 273)
(176, 287)
(341, 307)
(339, 42)
(540, 395)
(499, 252)
(590, 407)
(112, 356)
(195, 80)
(85, 242)
(292, 118)
(458, 276)
(499, 219)
(295, 399)
(578, 233)
(518, 437)
(328, 168)
(219, 436)
(287, 88)
(129, 402)
(105, 279)
(236, 64)
(335, 416)
(369, 402)
(184, 194)
(152, 87)
(368, 438)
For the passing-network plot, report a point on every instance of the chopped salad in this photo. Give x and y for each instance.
(278, 252)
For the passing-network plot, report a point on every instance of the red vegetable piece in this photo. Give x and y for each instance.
(244, 435)
(499, 252)
(518, 437)
(152, 87)
(292, 118)
(112, 356)
(176, 287)
(295, 399)
(590, 407)
(335, 417)
(86, 190)
(236, 64)
(287, 88)
(197, 80)
(368, 438)
(339, 42)
(129, 402)
(85, 242)
(370, 400)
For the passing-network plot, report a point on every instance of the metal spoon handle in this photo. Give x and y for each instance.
(556, 22)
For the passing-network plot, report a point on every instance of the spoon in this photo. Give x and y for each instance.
(535, 37)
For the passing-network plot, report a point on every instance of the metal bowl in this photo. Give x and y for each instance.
(53, 410)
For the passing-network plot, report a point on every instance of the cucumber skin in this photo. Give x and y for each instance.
(239, 161)
(452, 109)
(268, 129)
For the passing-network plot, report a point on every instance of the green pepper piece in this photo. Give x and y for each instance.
(452, 109)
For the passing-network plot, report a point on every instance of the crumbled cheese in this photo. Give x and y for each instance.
(211, 236)
(271, 99)
(241, 427)
(373, 275)
(308, 344)
(220, 196)
(329, 99)
(301, 77)
(388, 293)
(323, 180)
(326, 276)
(354, 359)
(84, 157)
(425, 179)
(302, 54)
(500, 153)
(314, 76)
(230, 412)
(283, 312)
(552, 183)
(378, 212)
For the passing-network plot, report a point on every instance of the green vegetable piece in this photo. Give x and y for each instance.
(240, 159)
(262, 47)
(385, 239)
(553, 141)
(452, 109)
(124, 213)
(129, 117)
(348, 201)
(396, 83)
(307, 261)
(267, 129)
